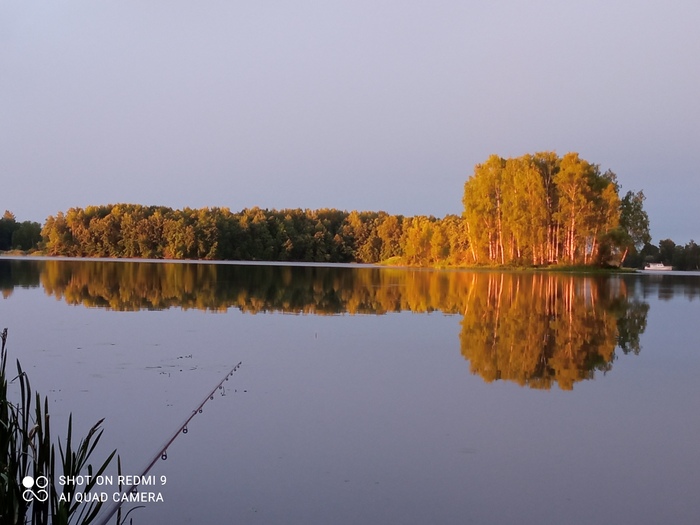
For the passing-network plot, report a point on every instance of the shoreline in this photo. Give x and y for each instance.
(578, 269)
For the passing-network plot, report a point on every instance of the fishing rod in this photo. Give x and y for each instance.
(163, 451)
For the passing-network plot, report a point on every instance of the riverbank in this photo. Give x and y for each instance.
(394, 262)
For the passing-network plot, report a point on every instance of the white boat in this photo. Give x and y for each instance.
(658, 267)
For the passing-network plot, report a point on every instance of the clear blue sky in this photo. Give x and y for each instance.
(368, 105)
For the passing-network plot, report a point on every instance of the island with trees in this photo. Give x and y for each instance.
(531, 211)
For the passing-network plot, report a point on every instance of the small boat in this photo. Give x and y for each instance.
(658, 267)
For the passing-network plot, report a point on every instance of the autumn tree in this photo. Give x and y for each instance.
(541, 209)
(483, 209)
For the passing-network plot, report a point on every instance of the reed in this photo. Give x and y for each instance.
(27, 449)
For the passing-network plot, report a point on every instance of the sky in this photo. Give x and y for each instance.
(363, 105)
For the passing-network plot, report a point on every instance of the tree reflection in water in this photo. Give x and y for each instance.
(536, 329)
(542, 329)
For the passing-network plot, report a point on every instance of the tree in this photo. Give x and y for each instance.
(634, 222)
(457, 236)
(667, 249)
(524, 210)
(27, 235)
(415, 242)
(547, 165)
(483, 201)
(389, 231)
(575, 203)
(8, 225)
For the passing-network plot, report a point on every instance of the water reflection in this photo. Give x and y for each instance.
(131, 286)
(537, 330)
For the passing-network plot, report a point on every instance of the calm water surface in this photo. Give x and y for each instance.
(371, 395)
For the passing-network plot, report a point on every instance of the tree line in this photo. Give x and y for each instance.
(326, 235)
(533, 210)
(681, 257)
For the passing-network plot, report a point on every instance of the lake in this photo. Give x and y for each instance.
(373, 395)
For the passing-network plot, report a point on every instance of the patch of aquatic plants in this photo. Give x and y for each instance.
(30, 464)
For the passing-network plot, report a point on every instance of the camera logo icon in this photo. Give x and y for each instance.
(40, 484)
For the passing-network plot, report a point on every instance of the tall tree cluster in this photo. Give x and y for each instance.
(543, 209)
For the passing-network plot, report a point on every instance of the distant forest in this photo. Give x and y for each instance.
(534, 210)
(254, 234)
